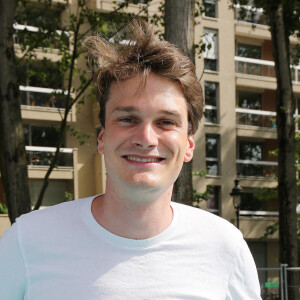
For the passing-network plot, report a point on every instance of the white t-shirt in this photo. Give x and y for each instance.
(62, 253)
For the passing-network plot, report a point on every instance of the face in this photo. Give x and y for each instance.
(145, 140)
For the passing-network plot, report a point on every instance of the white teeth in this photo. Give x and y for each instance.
(144, 160)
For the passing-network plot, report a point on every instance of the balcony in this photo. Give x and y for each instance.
(256, 118)
(43, 97)
(42, 156)
(261, 169)
(44, 104)
(260, 67)
(249, 14)
(55, 40)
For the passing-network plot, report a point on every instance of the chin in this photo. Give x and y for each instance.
(144, 182)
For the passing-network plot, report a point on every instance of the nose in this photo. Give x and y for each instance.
(145, 136)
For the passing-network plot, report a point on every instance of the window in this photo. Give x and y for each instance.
(244, 64)
(44, 136)
(212, 155)
(249, 100)
(253, 101)
(211, 50)
(40, 73)
(213, 197)
(253, 152)
(40, 146)
(250, 151)
(38, 80)
(258, 200)
(210, 8)
(211, 101)
(250, 51)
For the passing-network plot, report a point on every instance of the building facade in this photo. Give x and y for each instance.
(235, 139)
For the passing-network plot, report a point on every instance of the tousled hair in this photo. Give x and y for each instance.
(143, 54)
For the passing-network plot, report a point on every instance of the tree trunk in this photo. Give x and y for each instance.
(286, 145)
(13, 163)
(179, 30)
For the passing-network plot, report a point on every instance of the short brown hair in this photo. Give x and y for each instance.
(144, 53)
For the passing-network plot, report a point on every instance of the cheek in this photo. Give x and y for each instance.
(175, 141)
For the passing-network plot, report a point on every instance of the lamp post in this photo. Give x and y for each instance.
(236, 197)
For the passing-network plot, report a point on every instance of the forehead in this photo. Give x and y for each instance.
(154, 91)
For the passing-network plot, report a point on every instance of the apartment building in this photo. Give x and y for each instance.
(238, 135)
(234, 139)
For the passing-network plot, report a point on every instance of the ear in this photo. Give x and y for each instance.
(189, 149)
(100, 140)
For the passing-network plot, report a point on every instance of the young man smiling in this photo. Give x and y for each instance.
(132, 242)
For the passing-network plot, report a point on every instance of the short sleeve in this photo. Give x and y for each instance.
(244, 283)
(12, 269)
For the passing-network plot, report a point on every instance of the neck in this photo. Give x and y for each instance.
(135, 216)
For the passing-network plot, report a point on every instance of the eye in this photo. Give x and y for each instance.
(166, 123)
(127, 120)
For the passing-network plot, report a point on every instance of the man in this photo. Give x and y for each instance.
(132, 242)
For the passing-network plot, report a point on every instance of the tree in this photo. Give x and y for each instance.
(81, 22)
(13, 164)
(179, 30)
(283, 19)
(285, 108)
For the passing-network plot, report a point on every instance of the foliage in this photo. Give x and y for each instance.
(44, 33)
(270, 229)
(69, 196)
(3, 208)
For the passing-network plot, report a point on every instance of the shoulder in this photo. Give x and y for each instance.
(204, 219)
(207, 227)
(42, 223)
(55, 212)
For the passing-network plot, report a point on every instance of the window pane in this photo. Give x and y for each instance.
(211, 146)
(44, 136)
(212, 154)
(212, 168)
(210, 9)
(210, 39)
(211, 90)
(249, 100)
(211, 116)
(251, 51)
(40, 74)
(210, 64)
(213, 197)
(250, 202)
(250, 151)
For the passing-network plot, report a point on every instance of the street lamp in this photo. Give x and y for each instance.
(236, 197)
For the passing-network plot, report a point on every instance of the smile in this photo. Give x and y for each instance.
(143, 160)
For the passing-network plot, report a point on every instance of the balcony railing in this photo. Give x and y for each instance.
(258, 213)
(258, 118)
(54, 41)
(43, 97)
(251, 168)
(249, 14)
(42, 156)
(260, 67)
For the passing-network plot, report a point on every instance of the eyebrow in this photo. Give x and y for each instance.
(132, 109)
